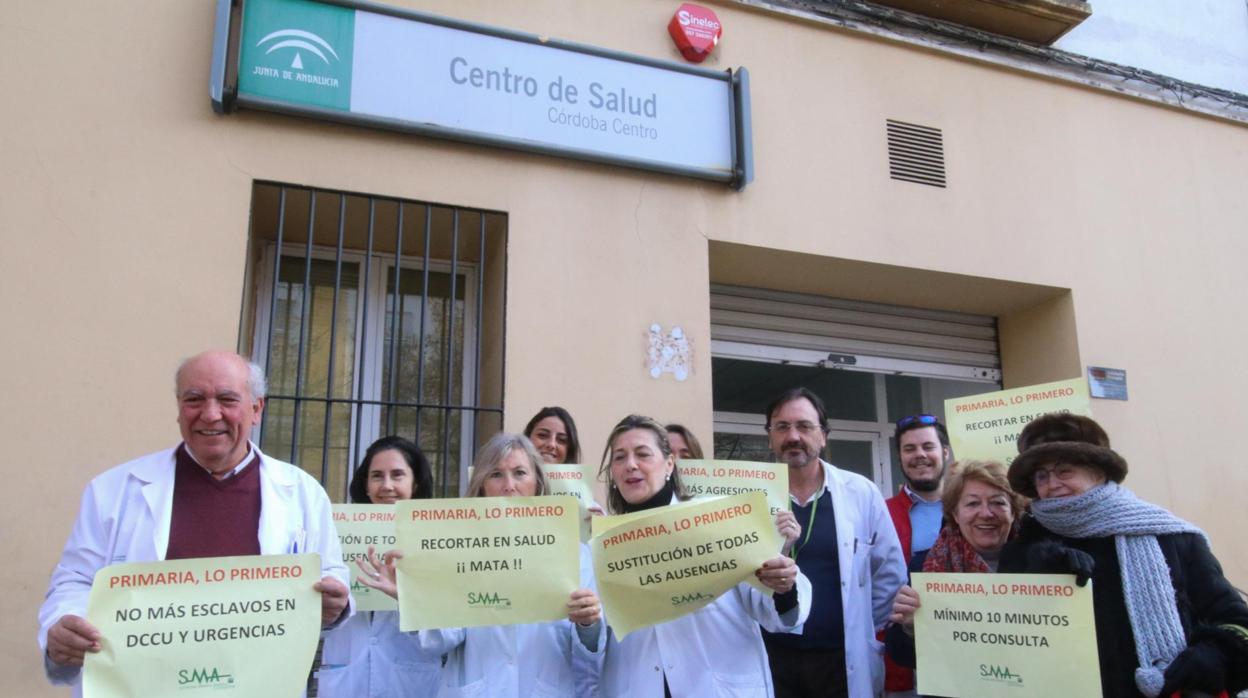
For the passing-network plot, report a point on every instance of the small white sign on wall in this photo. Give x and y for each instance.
(669, 353)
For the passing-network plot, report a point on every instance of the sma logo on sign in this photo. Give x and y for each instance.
(992, 672)
(692, 597)
(489, 599)
(204, 678)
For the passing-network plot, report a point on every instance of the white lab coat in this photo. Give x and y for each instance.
(872, 569)
(125, 516)
(536, 660)
(716, 651)
(367, 657)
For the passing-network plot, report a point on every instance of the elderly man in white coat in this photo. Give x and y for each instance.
(215, 494)
(849, 550)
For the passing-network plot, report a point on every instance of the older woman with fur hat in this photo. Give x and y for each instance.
(1167, 619)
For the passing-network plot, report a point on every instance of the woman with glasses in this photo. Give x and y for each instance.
(1167, 619)
(559, 658)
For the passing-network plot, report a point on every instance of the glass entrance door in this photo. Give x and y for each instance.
(857, 452)
(862, 408)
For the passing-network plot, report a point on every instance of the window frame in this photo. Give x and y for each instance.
(365, 423)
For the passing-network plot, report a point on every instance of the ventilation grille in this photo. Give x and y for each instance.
(916, 153)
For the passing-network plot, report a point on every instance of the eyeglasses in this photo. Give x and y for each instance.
(802, 427)
(1062, 471)
(926, 420)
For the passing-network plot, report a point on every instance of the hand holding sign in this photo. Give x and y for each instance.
(778, 574)
(904, 606)
(70, 639)
(583, 607)
(334, 599)
(379, 572)
(788, 527)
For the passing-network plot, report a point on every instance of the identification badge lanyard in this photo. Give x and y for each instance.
(810, 526)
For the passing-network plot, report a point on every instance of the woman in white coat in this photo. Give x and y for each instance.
(559, 659)
(716, 651)
(367, 656)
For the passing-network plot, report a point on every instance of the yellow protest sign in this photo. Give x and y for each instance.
(602, 524)
(986, 426)
(359, 526)
(720, 478)
(1008, 635)
(485, 561)
(577, 480)
(675, 560)
(213, 623)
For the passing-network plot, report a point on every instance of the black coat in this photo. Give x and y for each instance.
(1204, 597)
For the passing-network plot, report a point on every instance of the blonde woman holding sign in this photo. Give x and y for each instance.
(367, 655)
(559, 658)
(716, 651)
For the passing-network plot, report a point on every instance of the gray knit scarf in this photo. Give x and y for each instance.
(1112, 510)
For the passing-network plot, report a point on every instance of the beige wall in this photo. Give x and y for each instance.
(1102, 230)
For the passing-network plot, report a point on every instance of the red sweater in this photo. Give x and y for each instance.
(897, 677)
(211, 517)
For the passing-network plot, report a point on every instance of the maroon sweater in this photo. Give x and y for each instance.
(211, 517)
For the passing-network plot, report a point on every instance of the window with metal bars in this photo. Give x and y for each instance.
(374, 316)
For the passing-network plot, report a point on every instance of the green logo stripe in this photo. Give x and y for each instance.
(297, 51)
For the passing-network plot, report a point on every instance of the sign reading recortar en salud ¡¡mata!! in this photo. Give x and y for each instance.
(486, 560)
(986, 426)
(360, 526)
(676, 560)
(246, 624)
(1005, 636)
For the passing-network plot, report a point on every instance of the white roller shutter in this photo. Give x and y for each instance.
(765, 325)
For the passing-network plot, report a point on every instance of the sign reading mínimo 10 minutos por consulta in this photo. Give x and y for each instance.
(1005, 636)
(404, 70)
(986, 426)
(218, 623)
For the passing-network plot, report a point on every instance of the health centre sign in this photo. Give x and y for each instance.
(403, 70)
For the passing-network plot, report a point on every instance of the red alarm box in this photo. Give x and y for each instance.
(696, 31)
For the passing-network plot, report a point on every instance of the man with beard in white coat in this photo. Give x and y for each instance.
(215, 494)
(847, 547)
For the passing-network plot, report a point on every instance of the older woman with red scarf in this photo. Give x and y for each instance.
(980, 510)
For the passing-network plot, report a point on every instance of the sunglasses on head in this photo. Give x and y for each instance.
(926, 420)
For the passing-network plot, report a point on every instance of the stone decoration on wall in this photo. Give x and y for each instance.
(669, 353)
